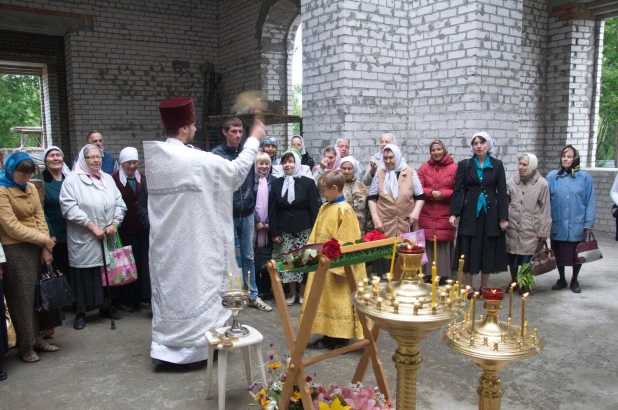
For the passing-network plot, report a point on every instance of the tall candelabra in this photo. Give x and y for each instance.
(491, 344)
(409, 310)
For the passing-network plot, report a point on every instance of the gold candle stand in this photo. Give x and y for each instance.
(492, 345)
(405, 312)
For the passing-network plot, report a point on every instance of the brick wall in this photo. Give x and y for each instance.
(138, 54)
(603, 180)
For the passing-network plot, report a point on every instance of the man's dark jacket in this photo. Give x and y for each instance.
(244, 199)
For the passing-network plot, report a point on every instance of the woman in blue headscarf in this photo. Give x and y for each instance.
(25, 238)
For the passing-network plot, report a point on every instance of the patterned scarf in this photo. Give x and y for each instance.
(574, 166)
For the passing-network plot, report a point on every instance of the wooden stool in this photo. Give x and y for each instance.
(254, 339)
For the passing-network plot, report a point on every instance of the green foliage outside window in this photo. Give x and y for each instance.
(20, 106)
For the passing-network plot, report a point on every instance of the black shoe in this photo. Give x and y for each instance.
(110, 313)
(80, 321)
(575, 287)
(560, 284)
(196, 365)
(3, 376)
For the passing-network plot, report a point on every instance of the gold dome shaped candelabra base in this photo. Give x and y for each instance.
(491, 345)
(404, 310)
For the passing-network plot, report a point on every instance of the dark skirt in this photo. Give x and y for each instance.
(482, 253)
(87, 286)
(4, 334)
(262, 277)
(564, 252)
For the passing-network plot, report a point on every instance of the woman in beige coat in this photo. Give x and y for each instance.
(529, 213)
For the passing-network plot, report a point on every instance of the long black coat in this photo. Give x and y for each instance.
(297, 216)
(465, 198)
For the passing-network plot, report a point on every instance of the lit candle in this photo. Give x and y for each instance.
(393, 256)
(460, 271)
(523, 313)
(511, 299)
(231, 282)
(474, 310)
(239, 284)
(435, 250)
(433, 273)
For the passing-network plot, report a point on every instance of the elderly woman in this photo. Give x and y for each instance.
(4, 334)
(93, 208)
(128, 181)
(375, 160)
(395, 198)
(354, 191)
(299, 143)
(331, 161)
(573, 210)
(263, 245)
(480, 201)
(25, 238)
(53, 176)
(293, 205)
(438, 178)
(343, 144)
(529, 214)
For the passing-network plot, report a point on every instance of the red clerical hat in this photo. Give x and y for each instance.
(177, 112)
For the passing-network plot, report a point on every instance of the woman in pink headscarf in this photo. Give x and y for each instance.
(331, 160)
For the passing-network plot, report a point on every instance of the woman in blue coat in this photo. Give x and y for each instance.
(573, 210)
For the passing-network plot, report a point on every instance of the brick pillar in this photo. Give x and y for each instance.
(570, 82)
(422, 70)
(355, 72)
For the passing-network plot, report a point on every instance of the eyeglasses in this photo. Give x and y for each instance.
(93, 157)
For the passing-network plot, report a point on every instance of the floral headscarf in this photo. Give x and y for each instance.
(574, 166)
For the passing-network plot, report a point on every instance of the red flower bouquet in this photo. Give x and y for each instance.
(331, 249)
(374, 236)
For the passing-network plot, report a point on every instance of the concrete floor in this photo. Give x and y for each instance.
(97, 368)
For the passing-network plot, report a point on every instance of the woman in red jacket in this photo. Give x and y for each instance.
(438, 178)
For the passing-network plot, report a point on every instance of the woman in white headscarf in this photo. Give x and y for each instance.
(93, 208)
(480, 202)
(294, 203)
(376, 158)
(529, 214)
(128, 181)
(354, 191)
(299, 143)
(53, 176)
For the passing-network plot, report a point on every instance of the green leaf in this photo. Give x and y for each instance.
(348, 244)
(359, 241)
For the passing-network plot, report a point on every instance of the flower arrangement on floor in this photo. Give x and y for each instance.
(353, 396)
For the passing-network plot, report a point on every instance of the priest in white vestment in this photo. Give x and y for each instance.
(191, 233)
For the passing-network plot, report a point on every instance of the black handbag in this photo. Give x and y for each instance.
(614, 211)
(462, 191)
(53, 290)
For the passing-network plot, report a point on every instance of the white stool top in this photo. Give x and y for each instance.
(252, 338)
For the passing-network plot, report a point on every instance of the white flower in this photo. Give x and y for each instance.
(277, 386)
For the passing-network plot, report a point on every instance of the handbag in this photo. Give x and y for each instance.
(12, 336)
(52, 291)
(543, 260)
(614, 211)
(461, 194)
(588, 250)
(121, 269)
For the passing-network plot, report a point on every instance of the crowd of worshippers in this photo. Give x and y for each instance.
(469, 207)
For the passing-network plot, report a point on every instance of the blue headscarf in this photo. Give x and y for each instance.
(6, 176)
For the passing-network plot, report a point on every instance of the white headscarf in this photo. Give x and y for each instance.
(65, 169)
(355, 164)
(533, 163)
(81, 168)
(288, 183)
(380, 153)
(390, 182)
(128, 154)
(487, 137)
(303, 151)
